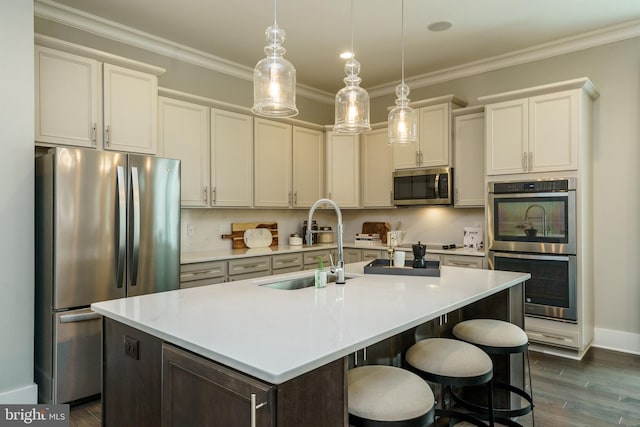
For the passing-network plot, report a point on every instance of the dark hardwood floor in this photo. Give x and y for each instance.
(601, 390)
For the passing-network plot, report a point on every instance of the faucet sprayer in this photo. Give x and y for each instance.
(338, 268)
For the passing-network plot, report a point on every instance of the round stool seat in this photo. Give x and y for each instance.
(451, 359)
(492, 334)
(387, 393)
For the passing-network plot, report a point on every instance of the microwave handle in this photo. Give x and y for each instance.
(437, 185)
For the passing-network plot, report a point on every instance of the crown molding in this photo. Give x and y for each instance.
(53, 11)
(588, 40)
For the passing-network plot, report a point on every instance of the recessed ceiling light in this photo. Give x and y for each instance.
(439, 26)
(346, 55)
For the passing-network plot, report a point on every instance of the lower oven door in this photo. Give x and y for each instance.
(551, 291)
(77, 359)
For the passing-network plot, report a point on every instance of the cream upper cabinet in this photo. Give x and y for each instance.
(468, 161)
(67, 99)
(433, 148)
(376, 169)
(273, 153)
(130, 100)
(80, 104)
(184, 134)
(343, 169)
(231, 159)
(507, 137)
(307, 167)
(540, 133)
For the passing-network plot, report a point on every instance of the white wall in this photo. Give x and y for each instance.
(16, 203)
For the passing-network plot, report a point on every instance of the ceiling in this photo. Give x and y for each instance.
(318, 30)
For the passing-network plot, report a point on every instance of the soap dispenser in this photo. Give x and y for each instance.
(321, 274)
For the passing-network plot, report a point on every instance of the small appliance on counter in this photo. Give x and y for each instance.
(419, 251)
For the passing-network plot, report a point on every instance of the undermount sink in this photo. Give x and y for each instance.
(300, 282)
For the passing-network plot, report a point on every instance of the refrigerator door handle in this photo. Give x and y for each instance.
(135, 235)
(121, 227)
(79, 317)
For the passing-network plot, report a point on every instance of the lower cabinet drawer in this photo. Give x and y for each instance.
(203, 282)
(202, 273)
(286, 261)
(311, 257)
(249, 265)
(463, 261)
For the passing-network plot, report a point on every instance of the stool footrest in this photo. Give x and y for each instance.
(460, 416)
(503, 413)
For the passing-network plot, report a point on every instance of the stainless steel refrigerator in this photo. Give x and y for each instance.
(107, 226)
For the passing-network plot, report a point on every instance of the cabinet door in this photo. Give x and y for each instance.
(184, 135)
(308, 162)
(553, 132)
(130, 101)
(199, 392)
(507, 134)
(434, 135)
(376, 171)
(272, 151)
(343, 169)
(132, 377)
(231, 159)
(469, 160)
(67, 99)
(406, 156)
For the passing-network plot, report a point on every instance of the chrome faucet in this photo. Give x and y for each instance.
(542, 218)
(338, 268)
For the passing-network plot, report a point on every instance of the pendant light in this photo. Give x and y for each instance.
(403, 121)
(352, 101)
(274, 78)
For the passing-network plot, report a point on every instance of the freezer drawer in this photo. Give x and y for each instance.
(76, 358)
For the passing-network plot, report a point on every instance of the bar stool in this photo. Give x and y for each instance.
(499, 337)
(388, 396)
(452, 363)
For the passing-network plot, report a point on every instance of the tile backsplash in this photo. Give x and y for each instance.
(201, 229)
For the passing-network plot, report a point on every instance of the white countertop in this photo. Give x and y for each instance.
(277, 335)
(225, 254)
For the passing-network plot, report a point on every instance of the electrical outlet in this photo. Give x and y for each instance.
(131, 348)
(190, 230)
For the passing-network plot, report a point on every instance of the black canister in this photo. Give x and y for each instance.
(314, 227)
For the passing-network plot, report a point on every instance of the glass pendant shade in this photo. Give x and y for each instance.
(274, 79)
(352, 102)
(403, 120)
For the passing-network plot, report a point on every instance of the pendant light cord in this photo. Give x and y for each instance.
(275, 12)
(352, 52)
(402, 36)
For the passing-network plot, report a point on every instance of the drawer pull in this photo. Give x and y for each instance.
(288, 260)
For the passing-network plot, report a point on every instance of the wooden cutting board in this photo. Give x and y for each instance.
(380, 228)
(238, 229)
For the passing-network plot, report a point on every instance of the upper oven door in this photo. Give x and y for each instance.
(533, 222)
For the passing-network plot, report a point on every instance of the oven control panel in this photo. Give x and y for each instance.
(537, 186)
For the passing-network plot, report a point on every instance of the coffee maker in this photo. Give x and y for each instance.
(419, 252)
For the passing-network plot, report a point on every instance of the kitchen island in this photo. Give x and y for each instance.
(286, 349)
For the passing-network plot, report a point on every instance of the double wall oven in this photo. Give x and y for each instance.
(532, 229)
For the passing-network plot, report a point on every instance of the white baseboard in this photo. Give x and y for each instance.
(610, 339)
(26, 395)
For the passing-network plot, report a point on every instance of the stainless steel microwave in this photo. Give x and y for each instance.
(429, 186)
